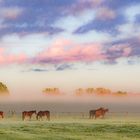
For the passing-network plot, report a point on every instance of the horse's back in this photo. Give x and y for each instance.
(47, 112)
(43, 113)
(101, 112)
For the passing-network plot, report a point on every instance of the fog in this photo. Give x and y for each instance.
(71, 103)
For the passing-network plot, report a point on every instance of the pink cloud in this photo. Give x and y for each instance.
(127, 51)
(125, 48)
(68, 51)
(60, 51)
(6, 58)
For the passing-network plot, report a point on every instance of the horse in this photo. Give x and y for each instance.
(101, 112)
(93, 112)
(41, 114)
(28, 114)
(2, 114)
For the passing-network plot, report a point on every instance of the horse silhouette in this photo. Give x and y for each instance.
(28, 114)
(41, 114)
(93, 112)
(100, 112)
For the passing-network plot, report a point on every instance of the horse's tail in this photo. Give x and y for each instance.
(2, 115)
(49, 115)
(37, 116)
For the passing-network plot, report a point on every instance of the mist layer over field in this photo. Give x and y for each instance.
(71, 103)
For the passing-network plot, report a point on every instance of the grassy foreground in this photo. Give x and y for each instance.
(69, 129)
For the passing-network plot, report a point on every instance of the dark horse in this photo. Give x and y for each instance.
(93, 112)
(41, 114)
(97, 113)
(101, 113)
(28, 114)
(1, 114)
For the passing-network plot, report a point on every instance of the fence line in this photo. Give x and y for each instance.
(78, 114)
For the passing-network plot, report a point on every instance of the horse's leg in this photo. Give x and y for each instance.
(89, 115)
(103, 116)
(93, 116)
(23, 117)
(36, 117)
(96, 116)
(30, 117)
(41, 118)
(49, 117)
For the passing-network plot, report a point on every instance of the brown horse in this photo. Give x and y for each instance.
(101, 112)
(28, 114)
(93, 112)
(41, 114)
(2, 114)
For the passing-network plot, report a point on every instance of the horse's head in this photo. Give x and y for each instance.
(107, 110)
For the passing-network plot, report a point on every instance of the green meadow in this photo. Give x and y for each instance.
(71, 129)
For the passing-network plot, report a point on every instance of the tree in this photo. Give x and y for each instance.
(103, 91)
(3, 89)
(121, 93)
(51, 91)
(79, 91)
(90, 90)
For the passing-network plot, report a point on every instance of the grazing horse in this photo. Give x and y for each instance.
(101, 112)
(28, 114)
(41, 114)
(93, 112)
(2, 114)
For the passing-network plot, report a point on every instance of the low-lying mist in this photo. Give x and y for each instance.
(70, 103)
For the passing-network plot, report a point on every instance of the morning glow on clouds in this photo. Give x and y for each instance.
(60, 36)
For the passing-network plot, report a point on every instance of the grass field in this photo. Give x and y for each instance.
(71, 129)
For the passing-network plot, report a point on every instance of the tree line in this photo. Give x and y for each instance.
(78, 92)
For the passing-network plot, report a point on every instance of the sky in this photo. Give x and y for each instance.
(69, 44)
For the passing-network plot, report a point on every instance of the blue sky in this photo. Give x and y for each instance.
(53, 36)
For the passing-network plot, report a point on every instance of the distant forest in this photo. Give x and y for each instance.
(78, 92)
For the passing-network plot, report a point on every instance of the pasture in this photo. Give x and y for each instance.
(69, 128)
